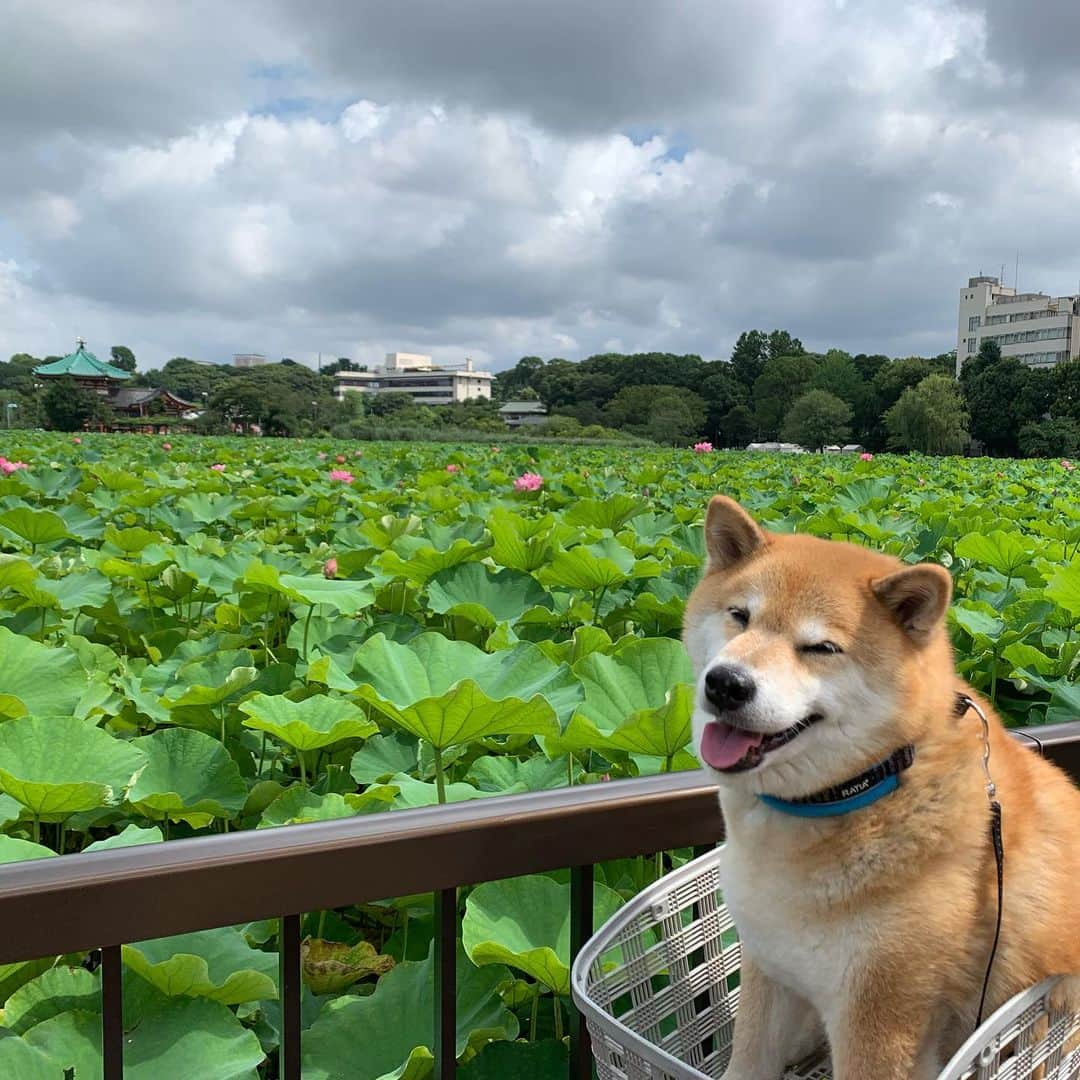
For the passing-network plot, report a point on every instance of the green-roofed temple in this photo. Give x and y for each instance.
(86, 369)
(146, 409)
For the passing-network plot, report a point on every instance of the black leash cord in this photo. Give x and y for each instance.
(999, 858)
(963, 703)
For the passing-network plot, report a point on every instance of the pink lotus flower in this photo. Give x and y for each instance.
(1067, 465)
(330, 568)
(77, 441)
(166, 446)
(864, 456)
(453, 468)
(529, 481)
(8, 467)
(340, 459)
(358, 453)
(703, 447)
(218, 467)
(342, 475)
(322, 456)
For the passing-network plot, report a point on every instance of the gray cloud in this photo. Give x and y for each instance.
(507, 179)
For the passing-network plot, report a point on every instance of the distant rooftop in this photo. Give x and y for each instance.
(82, 364)
(524, 407)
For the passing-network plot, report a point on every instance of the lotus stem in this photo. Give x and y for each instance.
(440, 779)
(307, 624)
(558, 1016)
(535, 1015)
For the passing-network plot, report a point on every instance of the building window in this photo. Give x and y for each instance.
(974, 321)
(971, 344)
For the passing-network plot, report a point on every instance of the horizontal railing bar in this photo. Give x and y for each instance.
(76, 902)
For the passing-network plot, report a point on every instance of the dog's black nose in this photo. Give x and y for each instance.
(728, 687)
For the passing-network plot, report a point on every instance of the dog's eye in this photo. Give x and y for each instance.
(825, 648)
(740, 615)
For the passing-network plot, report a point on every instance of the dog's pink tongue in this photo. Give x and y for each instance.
(722, 745)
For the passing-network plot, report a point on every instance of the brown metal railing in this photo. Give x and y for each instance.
(81, 902)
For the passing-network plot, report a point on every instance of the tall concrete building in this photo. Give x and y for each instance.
(1037, 329)
(252, 359)
(416, 375)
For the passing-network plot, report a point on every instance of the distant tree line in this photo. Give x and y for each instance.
(770, 389)
(773, 389)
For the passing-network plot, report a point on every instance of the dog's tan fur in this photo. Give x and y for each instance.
(872, 930)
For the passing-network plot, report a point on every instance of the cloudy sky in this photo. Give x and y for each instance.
(497, 178)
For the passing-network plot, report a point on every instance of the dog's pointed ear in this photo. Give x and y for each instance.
(731, 534)
(916, 597)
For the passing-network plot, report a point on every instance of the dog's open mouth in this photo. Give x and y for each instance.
(733, 749)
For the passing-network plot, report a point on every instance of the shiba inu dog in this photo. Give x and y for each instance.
(858, 864)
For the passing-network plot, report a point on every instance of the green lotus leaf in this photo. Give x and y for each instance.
(189, 776)
(15, 572)
(471, 591)
(34, 526)
(525, 923)
(55, 991)
(309, 724)
(389, 1034)
(209, 683)
(218, 574)
(74, 591)
(129, 836)
(344, 596)
(1004, 552)
(187, 1038)
(216, 964)
(520, 543)
(36, 678)
(417, 559)
(581, 568)
(505, 774)
(547, 1059)
(10, 810)
(382, 756)
(978, 619)
(328, 967)
(207, 509)
(20, 1059)
(130, 541)
(12, 849)
(56, 766)
(1063, 588)
(610, 513)
(413, 792)
(450, 692)
(298, 805)
(636, 698)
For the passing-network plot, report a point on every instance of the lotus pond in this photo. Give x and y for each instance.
(212, 635)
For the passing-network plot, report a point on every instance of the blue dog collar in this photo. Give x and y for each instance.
(854, 794)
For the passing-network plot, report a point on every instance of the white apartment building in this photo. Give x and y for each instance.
(250, 359)
(1037, 329)
(417, 376)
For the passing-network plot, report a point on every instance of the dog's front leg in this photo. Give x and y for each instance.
(774, 1027)
(885, 1032)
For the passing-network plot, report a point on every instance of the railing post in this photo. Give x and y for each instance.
(445, 995)
(581, 928)
(112, 1014)
(290, 989)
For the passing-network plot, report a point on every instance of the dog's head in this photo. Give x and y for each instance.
(814, 658)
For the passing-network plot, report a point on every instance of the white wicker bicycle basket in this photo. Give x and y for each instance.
(658, 985)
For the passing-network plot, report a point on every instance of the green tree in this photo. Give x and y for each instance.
(736, 428)
(721, 391)
(122, 357)
(816, 419)
(1066, 401)
(68, 407)
(666, 414)
(749, 355)
(989, 354)
(929, 417)
(1004, 396)
(1050, 438)
(782, 380)
(781, 343)
(509, 385)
